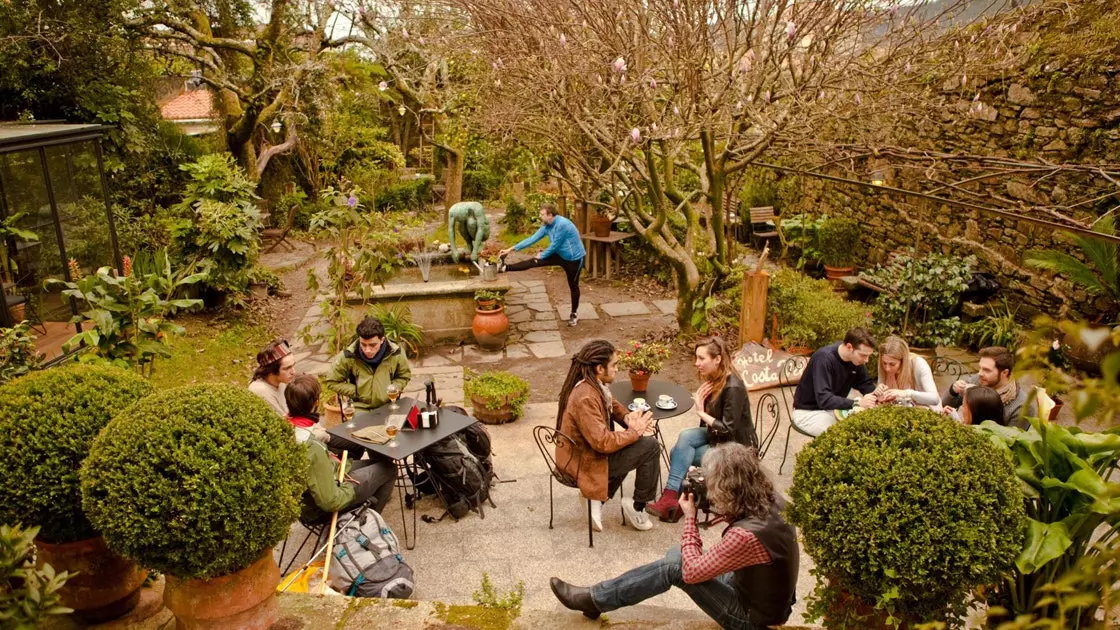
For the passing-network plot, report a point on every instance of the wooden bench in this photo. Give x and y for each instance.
(764, 223)
(600, 249)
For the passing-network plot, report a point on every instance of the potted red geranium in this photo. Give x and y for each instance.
(643, 360)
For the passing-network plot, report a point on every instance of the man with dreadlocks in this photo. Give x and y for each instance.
(601, 456)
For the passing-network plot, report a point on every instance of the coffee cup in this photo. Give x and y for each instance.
(665, 399)
(640, 402)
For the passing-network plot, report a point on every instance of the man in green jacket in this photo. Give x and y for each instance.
(366, 367)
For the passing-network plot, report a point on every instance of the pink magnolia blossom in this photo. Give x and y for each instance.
(859, 101)
(404, 32)
(653, 84)
(791, 29)
(383, 86)
(563, 40)
(620, 65)
(906, 70)
(635, 135)
(676, 111)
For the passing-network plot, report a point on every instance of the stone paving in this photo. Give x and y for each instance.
(535, 324)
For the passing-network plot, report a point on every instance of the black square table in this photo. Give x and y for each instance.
(625, 394)
(408, 443)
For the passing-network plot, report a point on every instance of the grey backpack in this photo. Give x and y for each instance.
(367, 560)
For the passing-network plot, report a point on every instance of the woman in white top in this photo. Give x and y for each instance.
(904, 376)
(276, 367)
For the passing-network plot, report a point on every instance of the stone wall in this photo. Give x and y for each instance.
(1055, 109)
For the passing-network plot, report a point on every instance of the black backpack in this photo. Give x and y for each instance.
(462, 470)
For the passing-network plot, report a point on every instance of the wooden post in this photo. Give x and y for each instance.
(581, 217)
(752, 318)
(330, 539)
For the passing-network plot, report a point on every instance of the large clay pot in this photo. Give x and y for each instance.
(1083, 357)
(245, 599)
(600, 225)
(639, 381)
(490, 328)
(501, 415)
(835, 273)
(106, 586)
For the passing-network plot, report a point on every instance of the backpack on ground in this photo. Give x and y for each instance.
(462, 470)
(367, 560)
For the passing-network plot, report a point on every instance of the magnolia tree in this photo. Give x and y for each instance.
(655, 107)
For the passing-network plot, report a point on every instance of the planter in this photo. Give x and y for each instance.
(18, 312)
(847, 607)
(1086, 359)
(332, 415)
(600, 225)
(804, 351)
(503, 414)
(258, 291)
(106, 586)
(835, 273)
(929, 353)
(490, 328)
(639, 381)
(245, 599)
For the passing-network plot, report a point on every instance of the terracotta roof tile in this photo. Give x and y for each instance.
(193, 105)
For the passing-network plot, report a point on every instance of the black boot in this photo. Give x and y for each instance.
(574, 597)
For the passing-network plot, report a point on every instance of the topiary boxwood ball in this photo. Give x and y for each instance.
(194, 481)
(48, 420)
(907, 508)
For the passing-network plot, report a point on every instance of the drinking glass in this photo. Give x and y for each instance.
(392, 426)
(393, 392)
(348, 409)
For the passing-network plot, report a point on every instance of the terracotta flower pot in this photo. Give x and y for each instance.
(639, 381)
(18, 312)
(600, 225)
(332, 415)
(245, 599)
(490, 328)
(106, 586)
(835, 273)
(804, 351)
(501, 415)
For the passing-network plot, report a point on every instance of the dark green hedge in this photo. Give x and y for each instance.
(479, 185)
(48, 420)
(413, 194)
(196, 481)
(907, 499)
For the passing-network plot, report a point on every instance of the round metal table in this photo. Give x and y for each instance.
(620, 389)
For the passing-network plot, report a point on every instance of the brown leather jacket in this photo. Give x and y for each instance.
(585, 421)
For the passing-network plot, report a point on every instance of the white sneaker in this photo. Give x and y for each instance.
(573, 320)
(597, 515)
(638, 520)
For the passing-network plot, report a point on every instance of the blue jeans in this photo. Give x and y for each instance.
(688, 451)
(716, 597)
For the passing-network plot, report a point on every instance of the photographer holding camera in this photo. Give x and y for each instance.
(746, 580)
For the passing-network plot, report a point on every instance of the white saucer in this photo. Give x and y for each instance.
(672, 405)
(633, 407)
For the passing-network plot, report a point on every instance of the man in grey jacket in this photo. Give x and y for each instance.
(996, 363)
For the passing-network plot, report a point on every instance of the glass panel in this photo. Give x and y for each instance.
(36, 261)
(81, 207)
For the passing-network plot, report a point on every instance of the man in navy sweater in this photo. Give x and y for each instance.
(834, 371)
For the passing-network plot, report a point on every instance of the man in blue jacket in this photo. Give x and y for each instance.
(565, 249)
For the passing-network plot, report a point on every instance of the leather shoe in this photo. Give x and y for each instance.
(574, 597)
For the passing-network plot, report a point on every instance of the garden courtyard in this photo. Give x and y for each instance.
(856, 264)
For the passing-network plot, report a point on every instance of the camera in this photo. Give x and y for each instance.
(695, 484)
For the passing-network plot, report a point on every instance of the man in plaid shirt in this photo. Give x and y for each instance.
(746, 580)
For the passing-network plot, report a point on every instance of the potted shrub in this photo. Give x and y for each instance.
(496, 397)
(838, 242)
(490, 325)
(199, 483)
(904, 513)
(600, 222)
(643, 360)
(807, 314)
(399, 327)
(48, 420)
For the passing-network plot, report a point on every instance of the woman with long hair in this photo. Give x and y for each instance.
(980, 404)
(276, 367)
(746, 580)
(599, 458)
(905, 377)
(725, 416)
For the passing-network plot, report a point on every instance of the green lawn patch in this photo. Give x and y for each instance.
(212, 352)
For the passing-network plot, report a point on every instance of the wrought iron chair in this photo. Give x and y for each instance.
(946, 366)
(793, 367)
(766, 414)
(549, 440)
